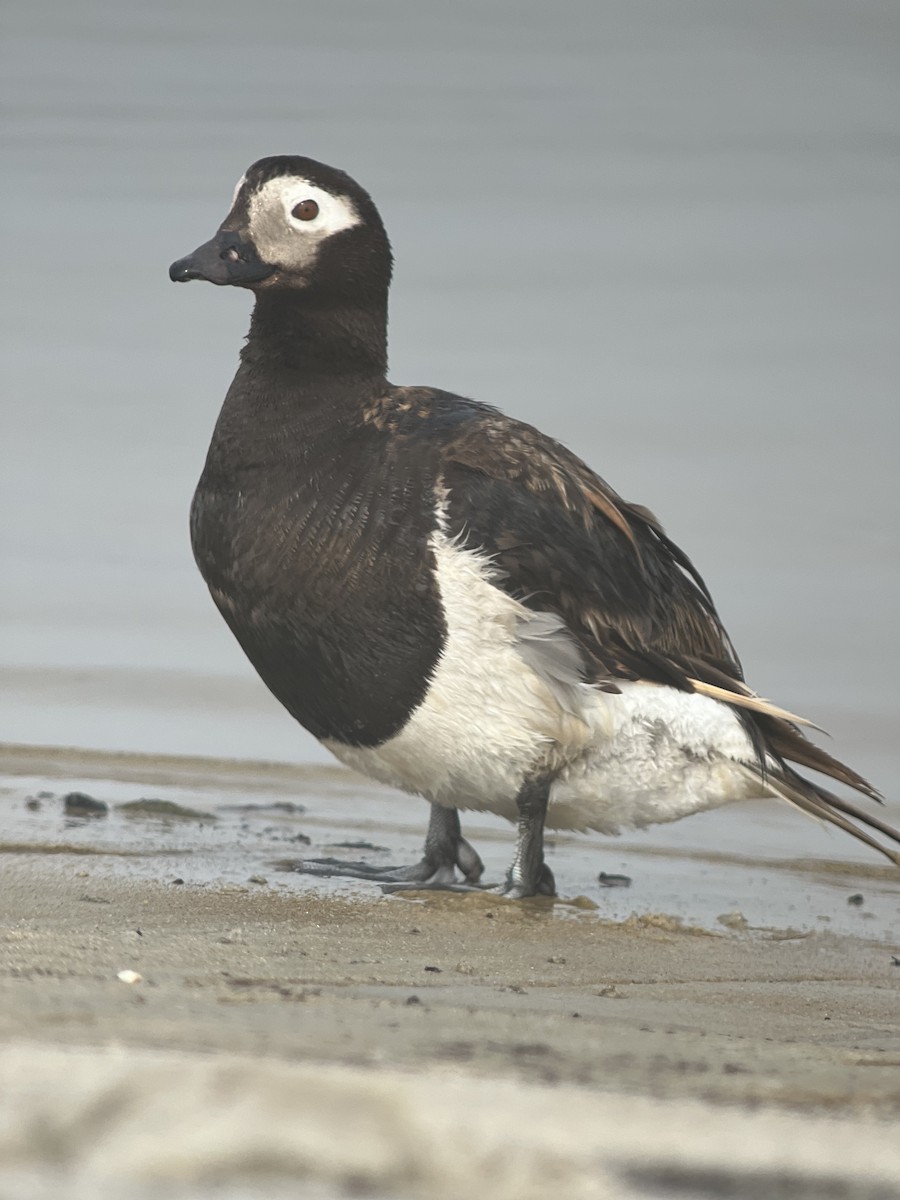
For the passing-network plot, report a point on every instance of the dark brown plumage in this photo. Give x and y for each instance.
(566, 542)
(327, 501)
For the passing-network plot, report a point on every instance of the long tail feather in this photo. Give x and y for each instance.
(820, 803)
(786, 742)
(852, 810)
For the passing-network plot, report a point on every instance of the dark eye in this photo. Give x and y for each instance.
(306, 210)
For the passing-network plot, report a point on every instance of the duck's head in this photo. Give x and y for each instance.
(295, 223)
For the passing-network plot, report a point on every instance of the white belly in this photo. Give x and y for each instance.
(503, 703)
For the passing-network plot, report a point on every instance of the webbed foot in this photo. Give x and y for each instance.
(445, 851)
(518, 887)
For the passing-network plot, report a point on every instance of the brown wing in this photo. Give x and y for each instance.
(565, 541)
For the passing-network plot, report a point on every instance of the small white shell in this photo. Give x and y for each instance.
(129, 977)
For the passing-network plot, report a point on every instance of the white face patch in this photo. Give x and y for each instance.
(288, 241)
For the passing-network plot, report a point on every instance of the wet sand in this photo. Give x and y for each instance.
(622, 1042)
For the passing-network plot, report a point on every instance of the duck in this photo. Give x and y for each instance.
(451, 601)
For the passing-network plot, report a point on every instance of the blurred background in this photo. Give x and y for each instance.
(667, 234)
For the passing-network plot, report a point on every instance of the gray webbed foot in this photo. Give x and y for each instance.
(445, 851)
(520, 888)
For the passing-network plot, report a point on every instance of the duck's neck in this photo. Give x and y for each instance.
(318, 337)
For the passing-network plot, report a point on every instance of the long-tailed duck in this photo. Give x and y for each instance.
(452, 602)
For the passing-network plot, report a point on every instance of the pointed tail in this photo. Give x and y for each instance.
(818, 802)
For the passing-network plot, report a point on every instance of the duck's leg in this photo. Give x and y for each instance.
(529, 875)
(445, 850)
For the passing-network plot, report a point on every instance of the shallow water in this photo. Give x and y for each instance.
(667, 236)
(754, 868)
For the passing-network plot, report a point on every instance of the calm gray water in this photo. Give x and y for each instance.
(666, 233)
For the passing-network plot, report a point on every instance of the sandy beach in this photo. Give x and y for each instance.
(667, 236)
(176, 1002)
